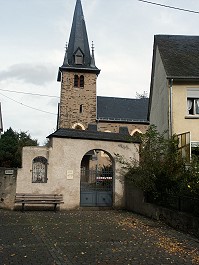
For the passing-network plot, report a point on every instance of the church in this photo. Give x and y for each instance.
(79, 104)
(81, 161)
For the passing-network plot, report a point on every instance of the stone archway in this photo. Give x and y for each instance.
(96, 181)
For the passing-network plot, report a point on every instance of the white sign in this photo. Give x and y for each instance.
(69, 174)
(9, 172)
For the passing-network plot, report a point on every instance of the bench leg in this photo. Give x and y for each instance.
(23, 204)
(55, 207)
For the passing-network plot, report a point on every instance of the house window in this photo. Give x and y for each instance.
(81, 81)
(193, 101)
(39, 170)
(76, 81)
(193, 106)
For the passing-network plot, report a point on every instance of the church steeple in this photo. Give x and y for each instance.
(78, 54)
(78, 76)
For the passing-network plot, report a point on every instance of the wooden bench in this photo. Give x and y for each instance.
(27, 198)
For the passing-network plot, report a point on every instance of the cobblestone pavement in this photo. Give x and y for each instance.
(91, 237)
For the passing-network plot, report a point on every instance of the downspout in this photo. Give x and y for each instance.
(171, 107)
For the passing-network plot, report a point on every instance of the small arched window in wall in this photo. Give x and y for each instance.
(136, 134)
(81, 81)
(78, 126)
(76, 80)
(39, 170)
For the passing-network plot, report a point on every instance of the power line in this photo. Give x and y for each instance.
(27, 106)
(28, 93)
(171, 7)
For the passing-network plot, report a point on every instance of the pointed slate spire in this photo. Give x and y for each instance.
(78, 52)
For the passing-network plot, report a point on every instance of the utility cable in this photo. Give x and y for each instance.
(167, 6)
(27, 105)
(28, 93)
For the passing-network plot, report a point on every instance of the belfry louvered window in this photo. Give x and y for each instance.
(76, 81)
(81, 81)
(39, 169)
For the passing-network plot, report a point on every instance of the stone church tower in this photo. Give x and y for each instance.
(78, 76)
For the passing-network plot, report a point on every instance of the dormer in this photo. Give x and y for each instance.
(78, 57)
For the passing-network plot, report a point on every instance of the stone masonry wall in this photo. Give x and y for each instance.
(7, 187)
(114, 127)
(72, 98)
(135, 201)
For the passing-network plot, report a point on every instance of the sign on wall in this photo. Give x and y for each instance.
(69, 174)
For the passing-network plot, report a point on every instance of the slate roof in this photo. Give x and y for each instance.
(93, 135)
(122, 109)
(180, 55)
(79, 41)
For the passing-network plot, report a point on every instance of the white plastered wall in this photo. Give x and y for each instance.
(182, 122)
(159, 114)
(65, 157)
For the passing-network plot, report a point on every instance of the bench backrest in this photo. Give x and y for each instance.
(28, 196)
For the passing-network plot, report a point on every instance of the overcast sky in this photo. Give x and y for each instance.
(33, 36)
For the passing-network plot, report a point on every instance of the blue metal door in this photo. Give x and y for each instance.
(96, 188)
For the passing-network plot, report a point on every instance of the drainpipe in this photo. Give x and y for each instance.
(171, 107)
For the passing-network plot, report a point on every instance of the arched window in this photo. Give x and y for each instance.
(81, 81)
(136, 132)
(78, 126)
(76, 80)
(39, 170)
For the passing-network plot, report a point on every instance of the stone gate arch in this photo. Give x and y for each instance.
(97, 179)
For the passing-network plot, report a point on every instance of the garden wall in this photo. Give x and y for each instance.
(7, 187)
(135, 201)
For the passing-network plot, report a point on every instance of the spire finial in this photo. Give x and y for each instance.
(92, 55)
(66, 47)
(92, 47)
(66, 54)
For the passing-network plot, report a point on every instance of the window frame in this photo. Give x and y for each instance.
(192, 102)
(193, 110)
(81, 81)
(76, 81)
(39, 169)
